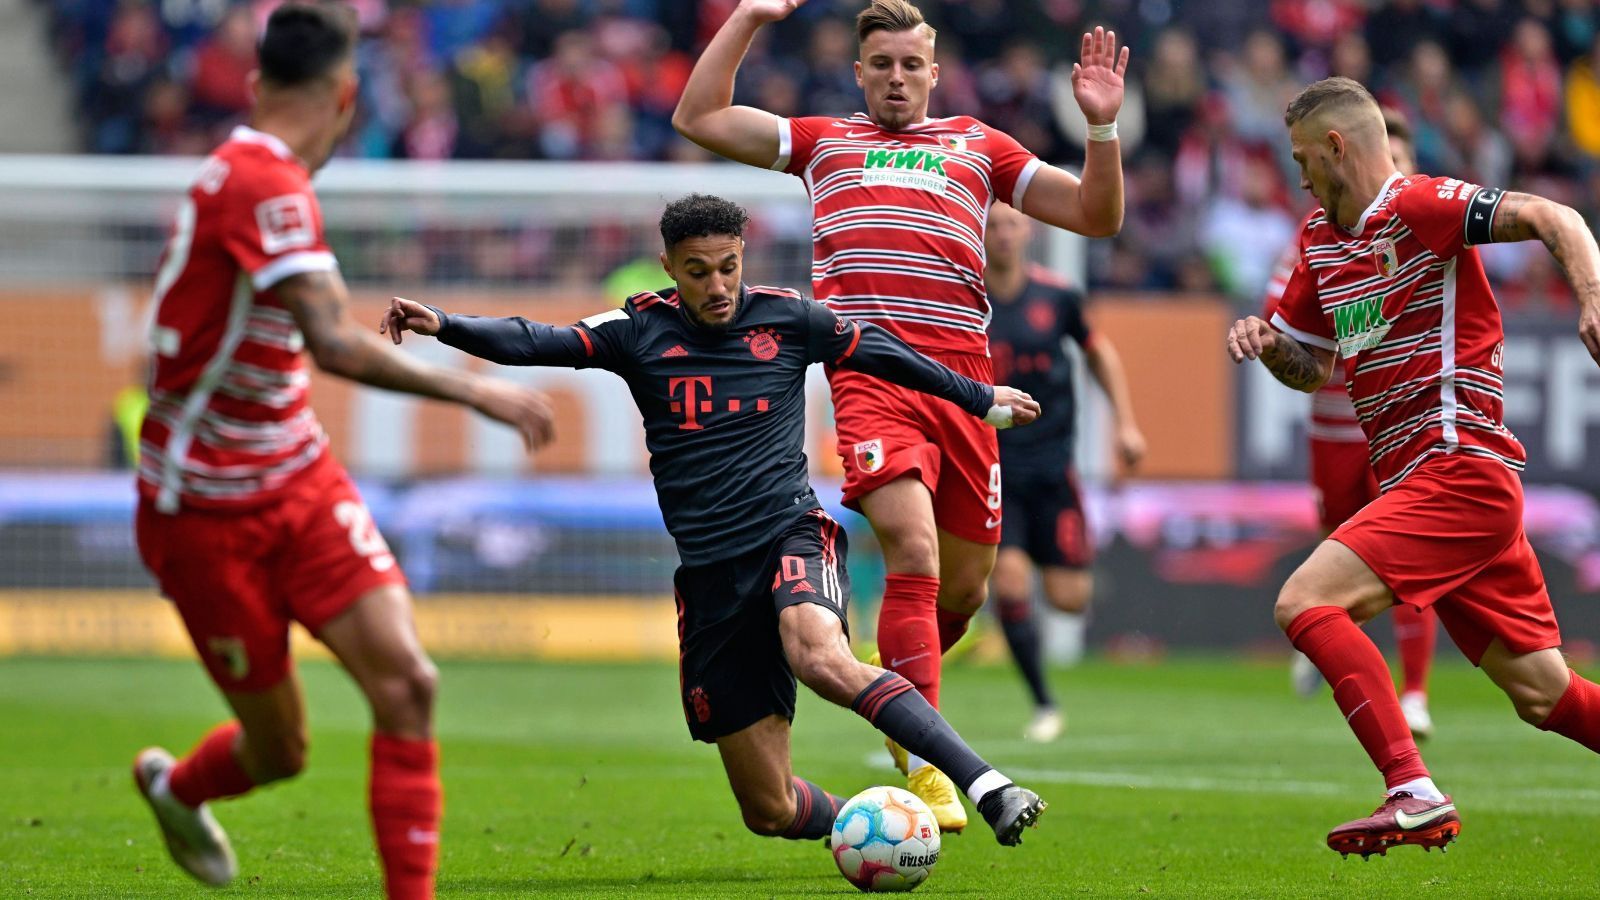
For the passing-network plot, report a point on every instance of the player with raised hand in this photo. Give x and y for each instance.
(1344, 482)
(899, 205)
(1034, 312)
(1389, 277)
(717, 369)
(245, 519)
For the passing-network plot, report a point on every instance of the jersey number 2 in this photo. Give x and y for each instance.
(364, 536)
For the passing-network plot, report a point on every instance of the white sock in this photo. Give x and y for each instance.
(1421, 788)
(988, 781)
(914, 762)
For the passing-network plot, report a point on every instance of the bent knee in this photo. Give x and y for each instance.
(407, 694)
(1532, 705)
(767, 818)
(963, 598)
(911, 549)
(825, 674)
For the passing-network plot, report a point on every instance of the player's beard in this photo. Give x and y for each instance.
(713, 327)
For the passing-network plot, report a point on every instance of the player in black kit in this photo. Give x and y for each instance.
(1043, 509)
(718, 371)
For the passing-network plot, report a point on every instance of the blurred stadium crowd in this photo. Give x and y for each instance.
(1499, 92)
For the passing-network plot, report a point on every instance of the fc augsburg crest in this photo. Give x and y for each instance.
(1385, 257)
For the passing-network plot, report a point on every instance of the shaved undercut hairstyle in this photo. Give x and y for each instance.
(305, 42)
(701, 215)
(892, 16)
(1328, 95)
(1395, 124)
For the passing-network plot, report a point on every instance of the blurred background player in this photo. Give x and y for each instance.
(245, 519)
(1034, 312)
(899, 203)
(1389, 277)
(717, 369)
(1344, 482)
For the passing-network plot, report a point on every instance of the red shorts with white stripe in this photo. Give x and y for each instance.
(1450, 536)
(887, 432)
(238, 578)
(1342, 475)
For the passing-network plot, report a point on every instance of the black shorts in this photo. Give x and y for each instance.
(1042, 515)
(731, 669)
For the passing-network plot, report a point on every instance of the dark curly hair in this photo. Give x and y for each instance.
(701, 215)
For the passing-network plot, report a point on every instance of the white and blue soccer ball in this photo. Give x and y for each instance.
(885, 839)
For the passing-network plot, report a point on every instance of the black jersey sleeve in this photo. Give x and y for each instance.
(603, 341)
(1069, 315)
(866, 348)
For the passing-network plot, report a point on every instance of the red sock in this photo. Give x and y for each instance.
(1415, 632)
(210, 771)
(1351, 663)
(952, 626)
(406, 803)
(908, 631)
(1577, 713)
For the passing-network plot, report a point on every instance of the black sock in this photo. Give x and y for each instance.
(895, 708)
(814, 811)
(1021, 629)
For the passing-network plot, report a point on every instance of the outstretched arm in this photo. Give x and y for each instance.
(1093, 206)
(706, 114)
(317, 300)
(1297, 365)
(509, 341)
(1523, 217)
(866, 348)
(1106, 367)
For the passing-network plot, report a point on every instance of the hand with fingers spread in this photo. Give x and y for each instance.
(1097, 76)
(407, 315)
(1251, 337)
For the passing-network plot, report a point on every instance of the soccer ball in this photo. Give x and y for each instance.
(885, 839)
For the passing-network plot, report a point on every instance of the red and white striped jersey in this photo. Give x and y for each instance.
(898, 219)
(1333, 416)
(229, 424)
(1404, 298)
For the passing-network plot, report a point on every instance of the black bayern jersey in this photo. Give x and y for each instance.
(1025, 337)
(724, 410)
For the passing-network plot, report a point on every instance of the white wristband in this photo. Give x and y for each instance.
(1103, 132)
(999, 417)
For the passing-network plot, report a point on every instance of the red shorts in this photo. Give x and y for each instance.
(1450, 536)
(1342, 474)
(239, 578)
(886, 431)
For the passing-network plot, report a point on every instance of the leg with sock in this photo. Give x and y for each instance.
(814, 811)
(1577, 714)
(952, 627)
(212, 770)
(1415, 633)
(895, 708)
(406, 802)
(908, 631)
(1021, 628)
(1355, 669)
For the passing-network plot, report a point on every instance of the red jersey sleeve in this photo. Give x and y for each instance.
(797, 142)
(1012, 165)
(272, 225)
(1299, 313)
(1447, 214)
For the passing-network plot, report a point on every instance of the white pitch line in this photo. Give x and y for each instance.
(1177, 783)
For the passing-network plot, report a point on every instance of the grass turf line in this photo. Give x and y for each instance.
(1196, 778)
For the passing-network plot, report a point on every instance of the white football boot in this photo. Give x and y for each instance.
(197, 843)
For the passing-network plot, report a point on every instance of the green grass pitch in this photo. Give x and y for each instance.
(1198, 777)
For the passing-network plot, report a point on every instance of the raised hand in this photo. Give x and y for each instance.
(765, 11)
(1097, 76)
(407, 315)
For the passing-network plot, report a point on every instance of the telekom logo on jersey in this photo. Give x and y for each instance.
(696, 393)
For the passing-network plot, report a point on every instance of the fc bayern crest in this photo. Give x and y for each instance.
(763, 343)
(1385, 257)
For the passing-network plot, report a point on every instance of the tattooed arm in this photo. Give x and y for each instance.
(1302, 367)
(1524, 217)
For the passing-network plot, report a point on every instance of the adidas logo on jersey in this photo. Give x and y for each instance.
(803, 587)
(677, 350)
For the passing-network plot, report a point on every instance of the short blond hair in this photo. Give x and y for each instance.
(891, 15)
(1329, 95)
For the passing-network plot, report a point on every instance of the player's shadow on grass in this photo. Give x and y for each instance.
(709, 885)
